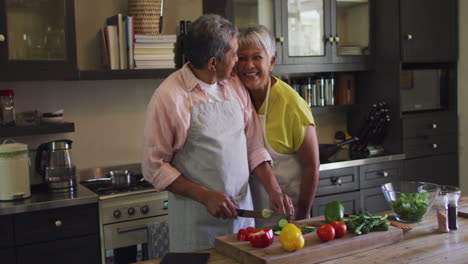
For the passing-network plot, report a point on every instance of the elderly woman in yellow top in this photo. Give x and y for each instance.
(287, 122)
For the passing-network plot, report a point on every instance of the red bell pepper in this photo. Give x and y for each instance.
(262, 238)
(243, 234)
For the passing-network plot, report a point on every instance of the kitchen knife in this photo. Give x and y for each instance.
(258, 214)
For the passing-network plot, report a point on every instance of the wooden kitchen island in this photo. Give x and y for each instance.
(422, 244)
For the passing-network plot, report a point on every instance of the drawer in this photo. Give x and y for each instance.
(70, 251)
(338, 180)
(374, 175)
(55, 224)
(373, 200)
(351, 202)
(6, 231)
(432, 145)
(441, 169)
(434, 124)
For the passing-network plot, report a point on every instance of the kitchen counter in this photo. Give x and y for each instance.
(41, 199)
(359, 161)
(422, 244)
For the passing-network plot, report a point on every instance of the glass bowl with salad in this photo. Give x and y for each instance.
(410, 201)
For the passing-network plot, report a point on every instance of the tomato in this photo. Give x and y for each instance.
(262, 238)
(340, 228)
(291, 238)
(326, 232)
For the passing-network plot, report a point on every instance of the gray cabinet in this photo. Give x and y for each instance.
(312, 35)
(7, 250)
(61, 235)
(357, 187)
(338, 181)
(373, 200)
(428, 30)
(351, 202)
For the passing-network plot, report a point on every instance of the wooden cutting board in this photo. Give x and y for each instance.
(314, 250)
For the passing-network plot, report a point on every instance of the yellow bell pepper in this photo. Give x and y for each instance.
(291, 237)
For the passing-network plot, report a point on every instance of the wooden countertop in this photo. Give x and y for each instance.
(422, 244)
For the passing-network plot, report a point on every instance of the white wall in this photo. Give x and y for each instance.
(108, 116)
(463, 94)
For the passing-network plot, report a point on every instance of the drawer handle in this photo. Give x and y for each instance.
(434, 146)
(335, 180)
(2, 38)
(130, 229)
(434, 126)
(384, 173)
(58, 223)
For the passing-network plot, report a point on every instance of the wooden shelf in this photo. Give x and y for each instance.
(43, 128)
(125, 74)
(320, 110)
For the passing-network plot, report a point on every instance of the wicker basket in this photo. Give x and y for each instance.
(146, 16)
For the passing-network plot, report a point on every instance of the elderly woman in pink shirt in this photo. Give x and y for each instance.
(202, 140)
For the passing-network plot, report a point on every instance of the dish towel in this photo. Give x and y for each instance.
(158, 239)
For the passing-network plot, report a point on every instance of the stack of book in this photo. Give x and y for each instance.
(117, 42)
(154, 51)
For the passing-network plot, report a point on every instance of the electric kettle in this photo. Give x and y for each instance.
(53, 162)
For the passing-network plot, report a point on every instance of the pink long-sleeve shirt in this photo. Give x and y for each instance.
(168, 121)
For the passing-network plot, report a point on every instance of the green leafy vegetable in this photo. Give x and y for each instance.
(366, 222)
(411, 206)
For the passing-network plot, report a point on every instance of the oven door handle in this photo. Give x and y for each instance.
(130, 229)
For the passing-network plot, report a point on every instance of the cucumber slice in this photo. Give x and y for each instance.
(282, 222)
(277, 233)
(266, 213)
(308, 229)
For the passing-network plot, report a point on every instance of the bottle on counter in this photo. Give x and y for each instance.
(7, 108)
(453, 210)
(442, 214)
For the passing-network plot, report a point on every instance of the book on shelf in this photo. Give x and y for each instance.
(169, 63)
(155, 64)
(111, 43)
(151, 45)
(154, 50)
(118, 20)
(145, 56)
(129, 26)
(155, 38)
(104, 44)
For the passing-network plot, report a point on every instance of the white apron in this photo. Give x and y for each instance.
(288, 173)
(214, 156)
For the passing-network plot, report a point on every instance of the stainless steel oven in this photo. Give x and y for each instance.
(124, 213)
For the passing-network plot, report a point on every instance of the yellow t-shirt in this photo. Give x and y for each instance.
(288, 115)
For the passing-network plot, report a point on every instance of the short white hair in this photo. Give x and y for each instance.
(257, 36)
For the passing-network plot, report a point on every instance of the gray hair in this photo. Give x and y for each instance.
(208, 37)
(257, 36)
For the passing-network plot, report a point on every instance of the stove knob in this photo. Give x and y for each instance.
(131, 211)
(144, 209)
(117, 213)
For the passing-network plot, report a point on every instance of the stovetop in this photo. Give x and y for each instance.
(104, 187)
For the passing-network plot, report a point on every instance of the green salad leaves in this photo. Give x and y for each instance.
(411, 206)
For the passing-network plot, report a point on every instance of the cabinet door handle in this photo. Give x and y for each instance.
(434, 146)
(335, 181)
(409, 37)
(58, 223)
(280, 39)
(434, 126)
(330, 39)
(384, 174)
(337, 39)
(2, 38)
